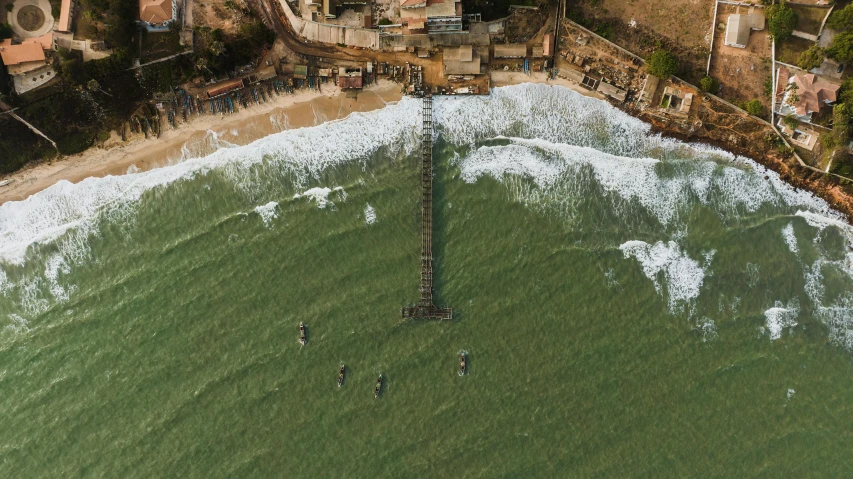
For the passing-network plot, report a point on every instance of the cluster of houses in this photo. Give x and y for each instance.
(798, 94)
(470, 60)
(27, 60)
(28, 57)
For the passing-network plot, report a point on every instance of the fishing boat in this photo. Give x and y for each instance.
(378, 387)
(302, 337)
(463, 364)
(5, 182)
(341, 375)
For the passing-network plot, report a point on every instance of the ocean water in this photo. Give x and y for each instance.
(631, 306)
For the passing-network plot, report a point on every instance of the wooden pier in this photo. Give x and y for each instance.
(425, 309)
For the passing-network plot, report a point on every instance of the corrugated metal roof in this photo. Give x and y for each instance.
(512, 50)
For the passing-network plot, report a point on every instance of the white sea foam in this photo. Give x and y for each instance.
(29, 291)
(320, 195)
(708, 329)
(682, 275)
(821, 222)
(5, 284)
(17, 324)
(267, 212)
(790, 238)
(780, 317)
(728, 190)
(369, 215)
(56, 264)
(301, 154)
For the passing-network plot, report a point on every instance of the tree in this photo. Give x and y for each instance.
(754, 107)
(5, 31)
(845, 94)
(842, 47)
(791, 121)
(662, 64)
(811, 58)
(841, 19)
(841, 124)
(793, 96)
(781, 20)
(72, 71)
(710, 85)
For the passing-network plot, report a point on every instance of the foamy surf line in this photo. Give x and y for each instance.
(48, 215)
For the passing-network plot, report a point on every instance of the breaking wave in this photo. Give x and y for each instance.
(549, 147)
(682, 275)
(297, 154)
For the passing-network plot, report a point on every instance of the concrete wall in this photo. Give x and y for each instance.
(390, 42)
(325, 33)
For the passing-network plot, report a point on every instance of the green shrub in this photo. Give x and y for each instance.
(385, 21)
(74, 142)
(842, 47)
(754, 107)
(781, 20)
(710, 85)
(811, 58)
(791, 121)
(841, 19)
(662, 64)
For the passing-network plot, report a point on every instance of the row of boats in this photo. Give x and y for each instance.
(377, 390)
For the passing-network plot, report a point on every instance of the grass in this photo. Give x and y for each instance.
(789, 50)
(156, 45)
(809, 18)
(843, 166)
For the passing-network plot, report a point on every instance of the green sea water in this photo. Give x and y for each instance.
(631, 307)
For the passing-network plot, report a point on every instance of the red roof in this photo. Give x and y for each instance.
(349, 82)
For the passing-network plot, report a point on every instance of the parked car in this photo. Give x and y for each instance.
(840, 68)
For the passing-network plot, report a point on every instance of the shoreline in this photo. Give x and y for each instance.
(307, 108)
(304, 108)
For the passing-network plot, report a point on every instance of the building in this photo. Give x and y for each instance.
(463, 60)
(511, 50)
(739, 26)
(349, 78)
(431, 16)
(801, 136)
(548, 45)
(26, 63)
(676, 101)
(331, 9)
(650, 87)
(612, 91)
(224, 87)
(803, 94)
(66, 16)
(156, 15)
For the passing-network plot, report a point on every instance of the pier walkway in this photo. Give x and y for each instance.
(426, 309)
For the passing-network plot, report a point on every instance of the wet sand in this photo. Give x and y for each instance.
(303, 109)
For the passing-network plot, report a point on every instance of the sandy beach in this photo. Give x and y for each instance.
(303, 109)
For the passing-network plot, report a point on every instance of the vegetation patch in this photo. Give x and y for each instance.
(789, 51)
(809, 18)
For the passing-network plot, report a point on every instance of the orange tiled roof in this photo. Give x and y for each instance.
(23, 53)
